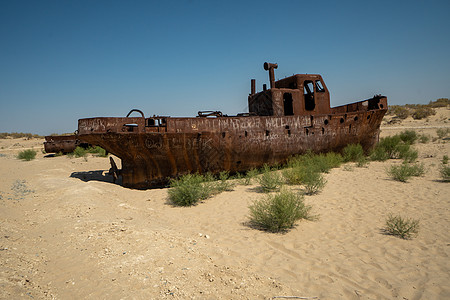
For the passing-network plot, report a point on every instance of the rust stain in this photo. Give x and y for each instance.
(291, 117)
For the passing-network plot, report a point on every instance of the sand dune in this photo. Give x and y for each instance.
(67, 232)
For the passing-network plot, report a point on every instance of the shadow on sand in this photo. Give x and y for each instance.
(98, 175)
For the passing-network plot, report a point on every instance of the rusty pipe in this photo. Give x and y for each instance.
(269, 67)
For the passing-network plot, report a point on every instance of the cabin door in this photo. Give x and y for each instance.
(320, 95)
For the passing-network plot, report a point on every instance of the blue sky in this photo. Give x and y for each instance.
(65, 60)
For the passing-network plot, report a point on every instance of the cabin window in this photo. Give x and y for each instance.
(308, 92)
(155, 122)
(288, 106)
(319, 86)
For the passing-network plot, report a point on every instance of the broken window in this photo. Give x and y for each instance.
(319, 86)
(287, 103)
(308, 92)
(155, 122)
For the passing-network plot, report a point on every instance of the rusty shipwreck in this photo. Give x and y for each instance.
(290, 117)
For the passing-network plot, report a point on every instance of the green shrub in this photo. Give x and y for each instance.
(424, 139)
(441, 102)
(78, 152)
(390, 145)
(422, 112)
(362, 162)
(405, 152)
(27, 154)
(294, 175)
(445, 172)
(409, 155)
(324, 162)
(379, 154)
(442, 133)
(445, 159)
(404, 171)
(393, 147)
(404, 228)
(313, 182)
(334, 160)
(269, 180)
(408, 136)
(188, 190)
(399, 111)
(319, 162)
(279, 212)
(16, 135)
(223, 184)
(250, 175)
(97, 150)
(353, 152)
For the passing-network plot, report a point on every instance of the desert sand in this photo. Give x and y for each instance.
(68, 232)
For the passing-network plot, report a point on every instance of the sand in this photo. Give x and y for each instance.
(67, 232)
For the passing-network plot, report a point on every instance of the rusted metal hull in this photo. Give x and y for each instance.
(290, 118)
(61, 143)
(235, 144)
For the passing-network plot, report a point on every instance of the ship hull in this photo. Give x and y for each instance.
(151, 156)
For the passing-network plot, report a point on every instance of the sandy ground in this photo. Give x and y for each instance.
(67, 232)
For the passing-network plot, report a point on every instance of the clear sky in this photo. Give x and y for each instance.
(65, 60)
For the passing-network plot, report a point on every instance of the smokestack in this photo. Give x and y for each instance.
(269, 67)
(253, 87)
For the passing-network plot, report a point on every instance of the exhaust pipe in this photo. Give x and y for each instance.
(269, 67)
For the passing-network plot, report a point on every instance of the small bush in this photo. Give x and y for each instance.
(379, 154)
(405, 152)
(445, 159)
(422, 112)
(323, 162)
(362, 162)
(442, 133)
(279, 212)
(78, 152)
(313, 182)
(445, 172)
(409, 155)
(424, 139)
(270, 181)
(27, 155)
(399, 111)
(402, 227)
(188, 190)
(16, 135)
(251, 174)
(353, 152)
(223, 184)
(390, 145)
(441, 102)
(334, 160)
(408, 136)
(393, 147)
(404, 171)
(318, 162)
(99, 151)
(294, 175)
